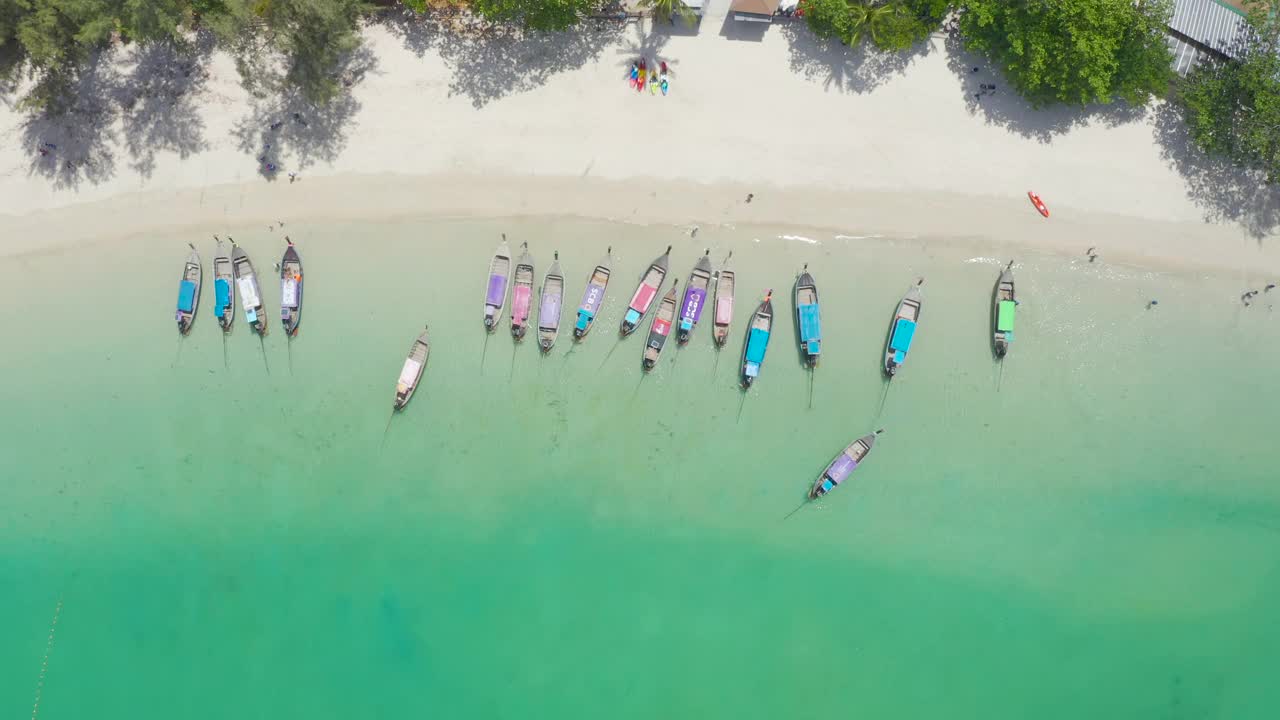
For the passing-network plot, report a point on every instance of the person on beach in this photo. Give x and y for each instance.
(1152, 303)
(1268, 287)
(749, 196)
(1247, 298)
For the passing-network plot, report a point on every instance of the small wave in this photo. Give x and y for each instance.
(799, 238)
(985, 261)
(859, 237)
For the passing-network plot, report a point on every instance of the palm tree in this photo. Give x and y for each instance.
(670, 9)
(867, 17)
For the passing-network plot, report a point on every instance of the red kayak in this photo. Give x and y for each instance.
(1035, 200)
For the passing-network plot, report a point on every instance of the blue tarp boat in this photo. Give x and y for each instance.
(189, 291)
(902, 330)
(757, 342)
(808, 319)
(224, 288)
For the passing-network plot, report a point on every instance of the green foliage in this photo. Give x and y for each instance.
(828, 19)
(313, 37)
(151, 20)
(669, 10)
(1232, 108)
(536, 14)
(891, 25)
(1075, 51)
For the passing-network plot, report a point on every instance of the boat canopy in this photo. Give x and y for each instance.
(632, 317)
(840, 468)
(549, 312)
(694, 298)
(186, 295)
(221, 295)
(644, 295)
(757, 341)
(409, 374)
(584, 319)
(724, 310)
(811, 328)
(903, 331)
(521, 295)
(248, 292)
(497, 292)
(289, 292)
(1004, 321)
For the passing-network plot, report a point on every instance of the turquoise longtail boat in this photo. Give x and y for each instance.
(902, 330)
(758, 331)
(808, 320)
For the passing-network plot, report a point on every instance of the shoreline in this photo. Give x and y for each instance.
(982, 220)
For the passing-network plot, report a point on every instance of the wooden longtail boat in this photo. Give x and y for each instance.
(902, 330)
(522, 293)
(1003, 307)
(189, 291)
(695, 297)
(843, 465)
(224, 289)
(724, 304)
(757, 342)
(550, 304)
(593, 296)
(411, 373)
(290, 290)
(645, 293)
(250, 293)
(660, 330)
(808, 320)
(495, 293)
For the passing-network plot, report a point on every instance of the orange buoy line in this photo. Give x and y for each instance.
(44, 666)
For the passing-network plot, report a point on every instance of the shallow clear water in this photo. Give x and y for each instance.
(1093, 529)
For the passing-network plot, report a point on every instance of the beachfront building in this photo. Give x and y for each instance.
(1200, 29)
(758, 11)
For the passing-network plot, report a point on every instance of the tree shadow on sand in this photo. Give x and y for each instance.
(1005, 108)
(74, 143)
(152, 90)
(282, 125)
(491, 61)
(159, 102)
(1225, 192)
(635, 44)
(835, 65)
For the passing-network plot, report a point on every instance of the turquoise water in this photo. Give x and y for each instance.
(1095, 531)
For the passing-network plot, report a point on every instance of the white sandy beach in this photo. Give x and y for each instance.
(441, 124)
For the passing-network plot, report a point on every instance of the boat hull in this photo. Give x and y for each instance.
(250, 292)
(291, 291)
(843, 465)
(189, 293)
(902, 330)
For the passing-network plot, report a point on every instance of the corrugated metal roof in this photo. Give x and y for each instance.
(1208, 23)
(1185, 55)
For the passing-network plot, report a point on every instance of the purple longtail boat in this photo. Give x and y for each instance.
(549, 307)
(593, 296)
(843, 465)
(695, 298)
(495, 295)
